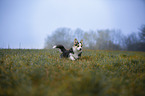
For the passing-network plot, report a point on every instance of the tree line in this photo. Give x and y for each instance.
(99, 39)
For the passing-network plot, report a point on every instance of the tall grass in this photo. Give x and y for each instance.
(43, 73)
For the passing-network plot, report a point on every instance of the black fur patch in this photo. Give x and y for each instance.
(71, 51)
(80, 54)
(61, 48)
(66, 53)
(76, 44)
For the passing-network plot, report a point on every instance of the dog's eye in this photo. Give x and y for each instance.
(78, 46)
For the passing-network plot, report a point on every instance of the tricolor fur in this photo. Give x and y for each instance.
(73, 53)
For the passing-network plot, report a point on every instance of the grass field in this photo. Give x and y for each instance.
(98, 73)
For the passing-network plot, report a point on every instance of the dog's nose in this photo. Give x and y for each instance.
(80, 49)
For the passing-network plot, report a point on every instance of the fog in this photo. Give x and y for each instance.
(27, 23)
(98, 39)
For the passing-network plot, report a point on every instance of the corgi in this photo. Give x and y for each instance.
(73, 53)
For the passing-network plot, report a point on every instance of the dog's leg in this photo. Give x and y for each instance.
(61, 56)
(71, 57)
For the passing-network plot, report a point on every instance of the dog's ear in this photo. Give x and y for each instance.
(75, 41)
(81, 42)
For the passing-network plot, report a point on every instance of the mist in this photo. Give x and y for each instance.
(98, 39)
(26, 24)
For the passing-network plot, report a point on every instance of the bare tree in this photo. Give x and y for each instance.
(60, 36)
(142, 33)
(101, 39)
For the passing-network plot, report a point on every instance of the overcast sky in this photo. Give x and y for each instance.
(27, 23)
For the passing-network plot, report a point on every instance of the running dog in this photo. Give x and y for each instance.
(73, 53)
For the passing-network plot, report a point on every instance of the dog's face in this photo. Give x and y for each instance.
(78, 45)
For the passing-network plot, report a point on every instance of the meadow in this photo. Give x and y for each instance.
(33, 72)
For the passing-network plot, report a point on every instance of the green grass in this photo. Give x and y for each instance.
(98, 73)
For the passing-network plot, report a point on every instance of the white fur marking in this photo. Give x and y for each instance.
(58, 49)
(76, 52)
(71, 56)
(54, 46)
(80, 47)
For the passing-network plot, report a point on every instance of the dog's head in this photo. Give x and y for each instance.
(78, 45)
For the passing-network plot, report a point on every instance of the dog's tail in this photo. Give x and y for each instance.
(61, 47)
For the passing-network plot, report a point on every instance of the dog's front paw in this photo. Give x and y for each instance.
(72, 58)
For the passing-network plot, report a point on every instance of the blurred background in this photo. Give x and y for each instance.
(102, 24)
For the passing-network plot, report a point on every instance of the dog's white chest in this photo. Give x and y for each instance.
(74, 55)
